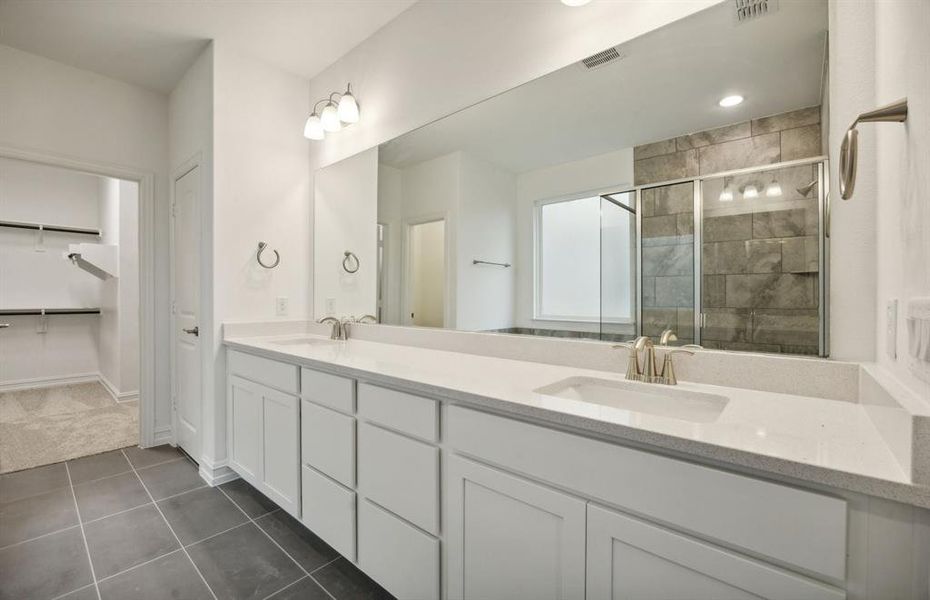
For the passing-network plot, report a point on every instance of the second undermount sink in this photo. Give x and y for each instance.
(653, 399)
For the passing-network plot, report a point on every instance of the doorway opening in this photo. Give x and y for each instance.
(70, 352)
(426, 269)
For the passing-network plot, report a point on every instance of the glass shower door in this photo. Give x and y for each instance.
(618, 306)
(761, 261)
(668, 261)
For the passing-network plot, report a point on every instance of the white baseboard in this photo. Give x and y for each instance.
(163, 436)
(216, 473)
(117, 395)
(40, 382)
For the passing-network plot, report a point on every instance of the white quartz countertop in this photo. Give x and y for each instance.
(828, 442)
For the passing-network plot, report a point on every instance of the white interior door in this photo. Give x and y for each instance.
(426, 280)
(187, 376)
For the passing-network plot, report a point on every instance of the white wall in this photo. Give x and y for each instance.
(108, 342)
(261, 192)
(881, 52)
(390, 214)
(36, 275)
(608, 172)
(61, 110)
(346, 215)
(486, 230)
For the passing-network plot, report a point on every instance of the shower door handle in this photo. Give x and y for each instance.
(194, 332)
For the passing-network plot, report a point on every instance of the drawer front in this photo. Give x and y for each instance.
(269, 372)
(329, 511)
(798, 527)
(329, 390)
(328, 442)
(400, 474)
(403, 559)
(404, 412)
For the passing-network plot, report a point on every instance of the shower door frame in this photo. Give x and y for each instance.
(823, 235)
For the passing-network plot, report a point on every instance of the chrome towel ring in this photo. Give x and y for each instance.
(895, 112)
(348, 260)
(258, 256)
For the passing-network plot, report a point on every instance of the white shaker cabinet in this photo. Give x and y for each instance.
(264, 444)
(508, 538)
(630, 559)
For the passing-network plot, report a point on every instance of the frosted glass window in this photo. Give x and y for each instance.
(569, 254)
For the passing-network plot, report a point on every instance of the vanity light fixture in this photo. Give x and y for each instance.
(730, 101)
(773, 190)
(727, 194)
(750, 191)
(338, 110)
(575, 2)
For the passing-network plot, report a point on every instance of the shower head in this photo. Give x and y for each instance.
(805, 189)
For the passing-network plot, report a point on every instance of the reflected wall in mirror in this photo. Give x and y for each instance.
(610, 201)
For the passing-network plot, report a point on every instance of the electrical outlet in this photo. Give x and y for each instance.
(330, 307)
(891, 328)
(280, 306)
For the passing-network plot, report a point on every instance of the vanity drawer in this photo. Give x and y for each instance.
(401, 474)
(269, 372)
(400, 557)
(329, 511)
(798, 527)
(328, 442)
(403, 412)
(329, 390)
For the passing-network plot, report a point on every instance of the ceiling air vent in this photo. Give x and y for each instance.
(749, 10)
(601, 58)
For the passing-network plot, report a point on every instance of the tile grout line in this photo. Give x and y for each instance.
(170, 528)
(73, 591)
(129, 470)
(286, 553)
(39, 537)
(285, 587)
(143, 504)
(77, 509)
(141, 564)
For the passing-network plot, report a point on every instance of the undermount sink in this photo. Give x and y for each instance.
(304, 341)
(653, 399)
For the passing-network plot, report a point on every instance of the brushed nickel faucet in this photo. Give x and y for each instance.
(338, 331)
(647, 371)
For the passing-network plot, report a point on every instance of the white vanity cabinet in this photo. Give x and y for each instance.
(509, 538)
(263, 426)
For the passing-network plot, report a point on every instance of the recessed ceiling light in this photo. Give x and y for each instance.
(575, 2)
(729, 101)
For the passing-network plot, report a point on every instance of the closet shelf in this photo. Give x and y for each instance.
(48, 311)
(46, 227)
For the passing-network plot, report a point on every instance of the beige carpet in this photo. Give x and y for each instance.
(48, 425)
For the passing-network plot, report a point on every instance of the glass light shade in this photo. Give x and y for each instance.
(330, 118)
(750, 191)
(729, 101)
(773, 190)
(348, 109)
(313, 129)
(726, 195)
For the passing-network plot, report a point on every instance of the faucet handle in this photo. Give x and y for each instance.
(633, 371)
(667, 336)
(668, 366)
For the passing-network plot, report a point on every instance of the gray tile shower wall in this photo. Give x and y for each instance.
(760, 257)
(787, 136)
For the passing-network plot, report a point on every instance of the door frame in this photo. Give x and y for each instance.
(147, 350)
(448, 306)
(194, 162)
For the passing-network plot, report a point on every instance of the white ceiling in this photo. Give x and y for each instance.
(668, 84)
(152, 42)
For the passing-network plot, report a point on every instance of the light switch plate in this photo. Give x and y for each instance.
(280, 306)
(891, 328)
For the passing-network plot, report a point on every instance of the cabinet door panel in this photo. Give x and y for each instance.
(328, 442)
(329, 511)
(630, 559)
(509, 538)
(245, 406)
(281, 449)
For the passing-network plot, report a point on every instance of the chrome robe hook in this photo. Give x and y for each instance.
(258, 256)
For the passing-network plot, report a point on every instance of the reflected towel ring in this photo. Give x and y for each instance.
(258, 256)
(895, 112)
(349, 257)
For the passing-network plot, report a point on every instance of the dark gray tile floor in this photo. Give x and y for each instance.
(141, 524)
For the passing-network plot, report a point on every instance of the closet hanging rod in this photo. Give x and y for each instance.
(488, 262)
(48, 311)
(43, 227)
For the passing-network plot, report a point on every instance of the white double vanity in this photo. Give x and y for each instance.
(445, 475)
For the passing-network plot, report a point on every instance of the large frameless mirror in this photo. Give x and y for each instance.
(628, 194)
